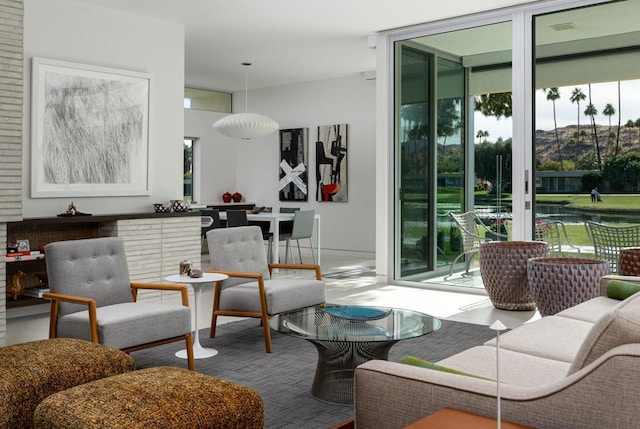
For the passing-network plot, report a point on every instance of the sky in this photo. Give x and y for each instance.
(567, 112)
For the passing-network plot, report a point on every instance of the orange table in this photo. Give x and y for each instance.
(449, 418)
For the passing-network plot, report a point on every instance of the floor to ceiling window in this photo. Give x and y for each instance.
(488, 117)
(587, 114)
(445, 84)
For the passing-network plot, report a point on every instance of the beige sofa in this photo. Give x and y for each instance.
(579, 368)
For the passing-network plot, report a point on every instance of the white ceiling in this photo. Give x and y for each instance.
(288, 41)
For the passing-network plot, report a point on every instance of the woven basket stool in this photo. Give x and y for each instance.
(30, 372)
(160, 397)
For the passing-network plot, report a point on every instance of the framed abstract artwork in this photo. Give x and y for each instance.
(331, 163)
(294, 178)
(89, 130)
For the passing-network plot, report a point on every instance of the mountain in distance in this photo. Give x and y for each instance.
(546, 148)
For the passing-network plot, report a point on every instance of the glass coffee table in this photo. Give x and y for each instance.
(347, 336)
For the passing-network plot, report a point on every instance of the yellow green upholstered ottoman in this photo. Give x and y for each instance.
(161, 397)
(30, 372)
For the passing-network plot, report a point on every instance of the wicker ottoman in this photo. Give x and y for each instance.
(160, 397)
(32, 371)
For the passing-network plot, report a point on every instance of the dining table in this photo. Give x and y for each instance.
(275, 219)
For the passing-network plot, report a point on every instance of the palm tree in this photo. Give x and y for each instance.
(576, 97)
(619, 120)
(637, 124)
(479, 135)
(609, 111)
(553, 94)
(630, 124)
(591, 112)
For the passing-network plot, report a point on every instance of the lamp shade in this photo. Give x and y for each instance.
(245, 126)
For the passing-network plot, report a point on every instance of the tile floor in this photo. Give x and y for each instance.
(473, 307)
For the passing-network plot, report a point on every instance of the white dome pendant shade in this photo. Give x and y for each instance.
(246, 126)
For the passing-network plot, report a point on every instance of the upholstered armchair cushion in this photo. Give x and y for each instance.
(129, 324)
(239, 249)
(282, 295)
(90, 268)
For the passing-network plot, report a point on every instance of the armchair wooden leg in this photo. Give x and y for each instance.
(267, 333)
(190, 358)
(214, 321)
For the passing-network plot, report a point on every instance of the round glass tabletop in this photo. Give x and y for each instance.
(354, 323)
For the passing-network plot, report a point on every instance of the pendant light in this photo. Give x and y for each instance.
(246, 125)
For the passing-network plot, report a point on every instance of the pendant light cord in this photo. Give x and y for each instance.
(246, 87)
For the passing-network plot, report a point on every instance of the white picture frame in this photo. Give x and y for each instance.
(23, 245)
(89, 130)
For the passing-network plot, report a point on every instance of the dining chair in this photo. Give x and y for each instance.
(236, 218)
(286, 227)
(209, 219)
(473, 232)
(607, 240)
(93, 299)
(250, 290)
(302, 228)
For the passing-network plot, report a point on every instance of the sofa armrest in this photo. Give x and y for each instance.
(605, 279)
(391, 395)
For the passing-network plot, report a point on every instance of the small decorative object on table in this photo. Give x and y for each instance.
(73, 211)
(227, 197)
(180, 205)
(185, 267)
(162, 208)
(237, 197)
(194, 273)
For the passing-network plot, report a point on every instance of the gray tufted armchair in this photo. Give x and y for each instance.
(250, 291)
(93, 298)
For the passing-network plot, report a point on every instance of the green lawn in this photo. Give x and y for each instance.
(609, 202)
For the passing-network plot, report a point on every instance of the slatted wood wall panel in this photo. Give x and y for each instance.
(11, 94)
(156, 247)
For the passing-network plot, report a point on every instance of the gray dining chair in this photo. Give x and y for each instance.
(302, 229)
(251, 291)
(93, 299)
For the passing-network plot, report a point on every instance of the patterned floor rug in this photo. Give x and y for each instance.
(283, 378)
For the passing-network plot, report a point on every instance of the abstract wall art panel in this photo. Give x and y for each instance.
(89, 130)
(331, 163)
(294, 177)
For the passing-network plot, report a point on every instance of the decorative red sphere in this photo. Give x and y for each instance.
(227, 197)
(237, 197)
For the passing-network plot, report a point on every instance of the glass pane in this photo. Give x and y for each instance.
(414, 127)
(187, 177)
(439, 78)
(450, 157)
(586, 120)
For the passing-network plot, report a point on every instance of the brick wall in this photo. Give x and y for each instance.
(11, 96)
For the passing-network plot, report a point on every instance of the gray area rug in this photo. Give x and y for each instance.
(283, 378)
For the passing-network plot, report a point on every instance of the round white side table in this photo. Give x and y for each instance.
(196, 283)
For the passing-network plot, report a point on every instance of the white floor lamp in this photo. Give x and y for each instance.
(498, 326)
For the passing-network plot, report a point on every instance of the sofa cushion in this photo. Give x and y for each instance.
(619, 289)
(516, 368)
(412, 360)
(620, 326)
(590, 311)
(552, 337)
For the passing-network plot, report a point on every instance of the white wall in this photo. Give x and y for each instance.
(71, 31)
(349, 100)
(214, 155)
